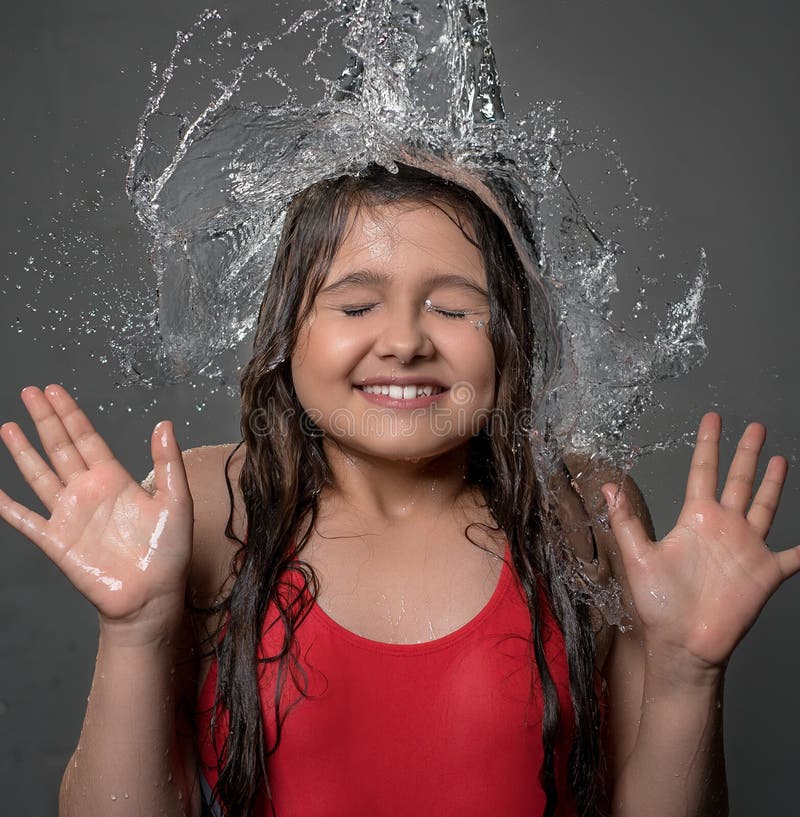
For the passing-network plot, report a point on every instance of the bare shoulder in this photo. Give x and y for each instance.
(591, 474)
(620, 655)
(212, 556)
(587, 477)
(212, 550)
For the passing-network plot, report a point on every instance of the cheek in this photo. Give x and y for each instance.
(299, 353)
(477, 355)
(344, 346)
(302, 364)
(324, 352)
(487, 380)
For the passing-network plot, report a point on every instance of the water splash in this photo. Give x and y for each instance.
(420, 86)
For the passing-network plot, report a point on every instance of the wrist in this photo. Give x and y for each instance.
(154, 633)
(674, 669)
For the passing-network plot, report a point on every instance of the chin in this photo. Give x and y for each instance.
(406, 453)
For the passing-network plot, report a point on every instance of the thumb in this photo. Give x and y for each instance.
(169, 470)
(629, 531)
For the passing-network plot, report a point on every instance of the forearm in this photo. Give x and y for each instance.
(677, 767)
(128, 760)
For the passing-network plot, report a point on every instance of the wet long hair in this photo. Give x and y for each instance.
(285, 470)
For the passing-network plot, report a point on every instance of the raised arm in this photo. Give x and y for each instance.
(620, 653)
(663, 746)
(695, 592)
(128, 551)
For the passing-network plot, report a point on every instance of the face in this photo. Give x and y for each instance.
(395, 360)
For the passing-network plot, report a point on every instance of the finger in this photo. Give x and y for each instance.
(36, 472)
(703, 471)
(27, 522)
(788, 562)
(58, 445)
(742, 473)
(91, 446)
(170, 473)
(629, 531)
(765, 502)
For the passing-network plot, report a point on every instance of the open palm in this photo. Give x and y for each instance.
(699, 589)
(123, 548)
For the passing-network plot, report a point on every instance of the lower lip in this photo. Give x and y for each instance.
(395, 403)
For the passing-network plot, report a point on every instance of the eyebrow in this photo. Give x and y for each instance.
(381, 279)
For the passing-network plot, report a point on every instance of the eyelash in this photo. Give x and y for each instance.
(358, 311)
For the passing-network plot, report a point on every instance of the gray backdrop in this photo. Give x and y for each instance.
(698, 96)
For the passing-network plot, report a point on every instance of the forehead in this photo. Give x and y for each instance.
(406, 236)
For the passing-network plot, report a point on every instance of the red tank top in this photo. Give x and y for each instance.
(449, 726)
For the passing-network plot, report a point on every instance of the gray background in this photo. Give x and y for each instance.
(698, 96)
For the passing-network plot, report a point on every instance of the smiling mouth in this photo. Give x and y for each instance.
(403, 392)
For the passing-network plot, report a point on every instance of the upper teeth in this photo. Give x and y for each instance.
(403, 392)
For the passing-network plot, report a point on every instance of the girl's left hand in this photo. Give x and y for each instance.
(701, 588)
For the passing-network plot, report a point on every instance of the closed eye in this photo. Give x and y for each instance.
(355, 312)
(450, 314)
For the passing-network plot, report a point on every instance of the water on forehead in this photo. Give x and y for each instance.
(379, 231)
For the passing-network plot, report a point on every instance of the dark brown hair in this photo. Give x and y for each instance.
(285, 470)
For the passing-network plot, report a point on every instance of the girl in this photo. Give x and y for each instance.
(390, 622)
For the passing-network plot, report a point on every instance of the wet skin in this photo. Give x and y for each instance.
(695, 592)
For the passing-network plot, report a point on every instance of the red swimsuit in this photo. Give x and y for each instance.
(446, 727)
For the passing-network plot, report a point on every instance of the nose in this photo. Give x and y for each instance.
(403, 337)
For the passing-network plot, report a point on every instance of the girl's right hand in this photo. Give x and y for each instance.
(125, 549)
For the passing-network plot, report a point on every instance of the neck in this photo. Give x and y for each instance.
(394, 492)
